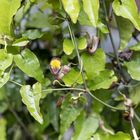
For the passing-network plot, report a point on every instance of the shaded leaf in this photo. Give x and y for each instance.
(95, 63)
(2, 129)
(85, 127)
(29, 64)
(68, 46)
(72, 7)
(125, 30)
(127, 9)
(31, 97)
(91, 8)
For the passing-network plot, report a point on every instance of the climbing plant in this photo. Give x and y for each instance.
(69, 69)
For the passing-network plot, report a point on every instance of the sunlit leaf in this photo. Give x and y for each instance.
(4, 77)
(68, 46)
(72, 7)
(28, 63)
(20, 42)
(82, 43)
(5, 59)
(91, 8)
(135, 47)
(127, 9)
(85, 127)
(31, 97)
(2, 129)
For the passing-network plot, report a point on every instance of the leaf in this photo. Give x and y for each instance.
(68, 46)
(95, 63)
(6, 17)
(72, 7)
(69, 113)
(4, 77)
(135, 47)
(85, 127)
(133, 68)
(127, 9)
(135, 94)
(20, 42)
(117, 136)
(29, 64)
(82, 43)
(32, 34)
(91, 8)
(5, 60)
(31, 97)
(72, 77)
(103, 80)
(125, 30)
(2, 129)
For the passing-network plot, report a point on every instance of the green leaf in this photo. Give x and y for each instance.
(103, 80)
(20, 42)
(31, 97)
(32, 34)
(29, 64)
(135, 47)
(127, 9)
(6, 17)
(72, 7)
(2, 129)
(82, 43)
(133, 68)
(4, 77)
(68, 46)
(135, 94)
(95, 63)
(69, 113)
(125, 30)
(117, 136)
(85, 127)
(72, 77)
(5, 60)
(91, 8)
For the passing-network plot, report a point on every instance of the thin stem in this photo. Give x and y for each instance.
(78, 55)
(102, 102)
(16, 83)
(137, 117)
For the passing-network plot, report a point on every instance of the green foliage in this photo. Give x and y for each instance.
(59, 76)
(31, 97)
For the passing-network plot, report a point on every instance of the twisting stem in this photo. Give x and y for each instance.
(78, 55)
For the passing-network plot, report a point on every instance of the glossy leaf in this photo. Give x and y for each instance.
(85, 127)
(28, 63)
(68, 46)
(2, 129)
(103, 80)
(7, 16)
(72, 77)
(135, 47)
(125, 30)
(133, 68)
(82, 43)
(117, 136)
(4, 77)
(20, 42)
(91, 8)
(72, 7)
(5, 60)
(95, 63)
(31, 97)
(69, 113)
(127, 9)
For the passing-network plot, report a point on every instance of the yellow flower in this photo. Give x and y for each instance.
(55, 63)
